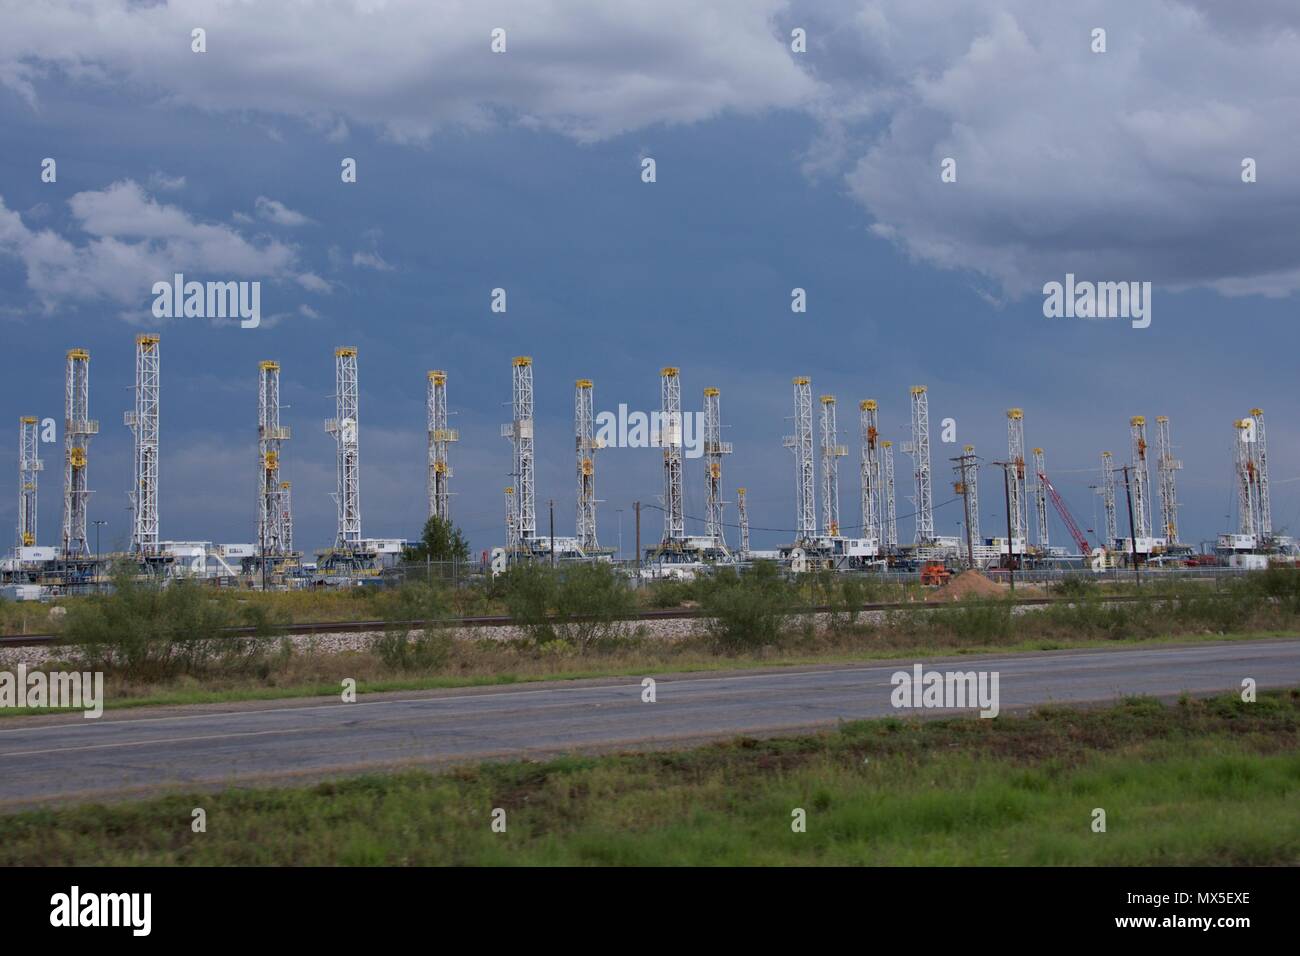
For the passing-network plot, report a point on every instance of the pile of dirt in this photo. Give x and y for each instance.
(968, 584)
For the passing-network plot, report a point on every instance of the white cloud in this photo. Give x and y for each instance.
(161, 182)
(132, 242)
(277, 212)
(314, 283)
(371, 260)
(1121, 165)
(586, 68)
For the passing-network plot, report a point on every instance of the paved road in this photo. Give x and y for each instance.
(51, 758)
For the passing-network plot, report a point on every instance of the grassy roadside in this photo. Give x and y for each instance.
(1197, 782)
(490, 663)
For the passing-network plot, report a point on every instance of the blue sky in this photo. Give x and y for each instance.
(821, 175)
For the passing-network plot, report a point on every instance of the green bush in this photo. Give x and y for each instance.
(669, 592)
(580, 604)
(1075, 587)
(748, 610)
(408, 648)
(159, 629)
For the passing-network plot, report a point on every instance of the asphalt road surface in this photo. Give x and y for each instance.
(61, 757)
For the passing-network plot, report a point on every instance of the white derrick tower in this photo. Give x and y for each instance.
(273, 520)
(1016, 456)
(143, 422)
(1167, 467)
(801, 442)
(78, 427)
(714, 449)
(670, 437)
(889, 517)
(832, 451)
(919, 449)
(1108, 498)
(440, 438)
(345, 427)
(584, 427)
(743, 520)
(1040, 499)
(872, 511)
(29, 467)
(1247, 478)
(1141, 480)
(1265, 518)
(521, 495)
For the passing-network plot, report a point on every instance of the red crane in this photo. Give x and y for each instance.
(1080, 541)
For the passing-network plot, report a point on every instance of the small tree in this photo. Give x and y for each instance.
(440, 541)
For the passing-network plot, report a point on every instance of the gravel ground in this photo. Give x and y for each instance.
(669, 630)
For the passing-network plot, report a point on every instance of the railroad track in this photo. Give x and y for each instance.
(504, 620)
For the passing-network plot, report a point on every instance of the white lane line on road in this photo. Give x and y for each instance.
(159, 740)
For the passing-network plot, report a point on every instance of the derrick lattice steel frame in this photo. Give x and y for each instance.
(831, 452)
(286, 516)
(1040, 501)
(1141, 481)
(919, 449)
(346, 427)
(1167, 468)
(512, 539)
(273, 533)
(742, 513)
(968, 471)
(869, 474)
(29, 468)
(585, 445)
(670, 437)
(1016, 456)
(805, 477)
(440, 438)
(143, 422)
(78, 428)
(714, 449)
(522, 496)
(1108, 498)
(889, 518)
(1264, 521)
(1247, 465)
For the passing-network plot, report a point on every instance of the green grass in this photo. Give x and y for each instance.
(1198, 782)
(517, 665)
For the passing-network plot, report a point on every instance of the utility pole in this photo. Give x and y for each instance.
(551, 504)
(1132, 534)
(636, 509)
(1006, 487)
(620, 534)
(963, 488)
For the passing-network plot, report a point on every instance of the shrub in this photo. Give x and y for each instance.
(1076, 587)
(528, 590)
(408, 648)
(581, 604)
(590, 604)
(669, 592)
(748, 610)
(852, 595)
(158, 629)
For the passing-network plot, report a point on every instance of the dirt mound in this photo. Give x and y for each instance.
(968, 584)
